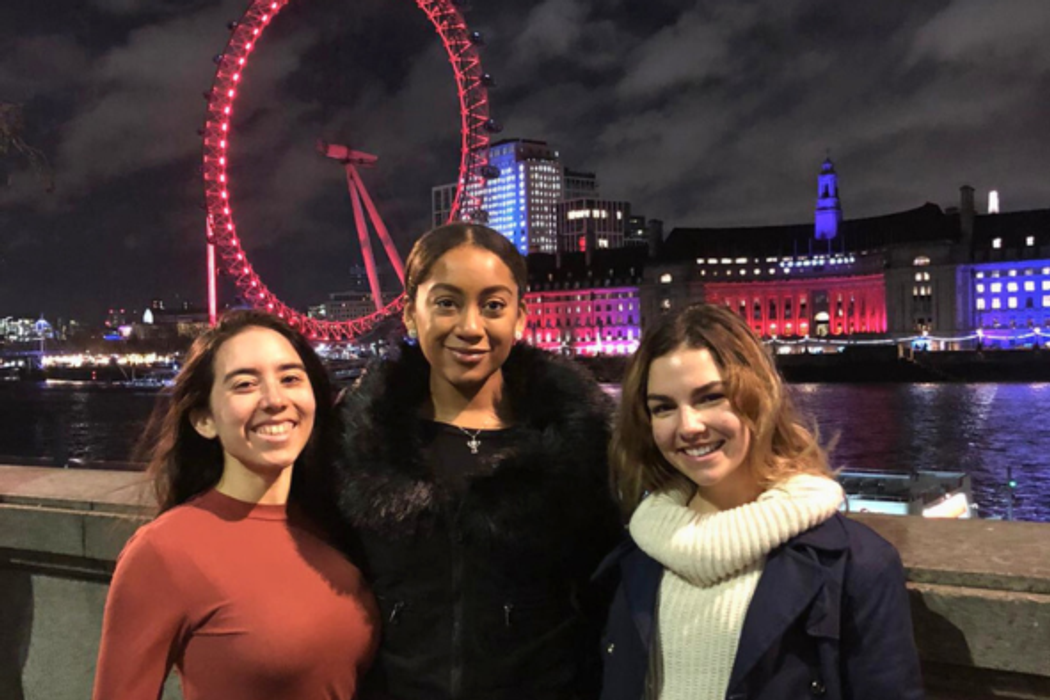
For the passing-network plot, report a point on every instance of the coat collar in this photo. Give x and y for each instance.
(802, 577)
(561, 420)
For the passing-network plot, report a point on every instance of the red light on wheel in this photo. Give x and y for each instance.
(448, 23)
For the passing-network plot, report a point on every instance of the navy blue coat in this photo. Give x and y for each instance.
(829, 618)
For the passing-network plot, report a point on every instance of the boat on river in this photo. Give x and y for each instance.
(931, 494)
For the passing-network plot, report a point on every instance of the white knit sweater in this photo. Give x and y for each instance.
(712, 562)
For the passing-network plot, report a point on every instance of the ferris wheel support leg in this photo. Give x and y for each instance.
(377, 222)
(212, 296)
(362, 236)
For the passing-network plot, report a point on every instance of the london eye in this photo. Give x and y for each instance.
(225, 239)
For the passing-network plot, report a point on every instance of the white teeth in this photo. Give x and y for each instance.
(274, 429)
(703, 449)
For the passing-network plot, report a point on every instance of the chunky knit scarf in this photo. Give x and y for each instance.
(712, 563)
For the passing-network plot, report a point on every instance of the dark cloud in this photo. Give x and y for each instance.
(709, 112)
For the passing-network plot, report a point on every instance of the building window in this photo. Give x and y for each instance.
(1012, 302)
(665, 304)
(1029, 240)
(980, 275)
(997, 303)
(666, 278)
(980, 303)
(980, 289)
(997, 243)
(1011, 287)
(1046, 301)
(918, 277)
(1046, 285)
(920, 261)
(997, 287)
(1029, 286)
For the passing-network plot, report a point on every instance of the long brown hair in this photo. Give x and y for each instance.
(780, 444)
(182, 463)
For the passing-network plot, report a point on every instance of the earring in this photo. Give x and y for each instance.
(413, 333)
(518, 335)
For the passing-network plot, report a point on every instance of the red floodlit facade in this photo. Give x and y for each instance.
(470, 79)
(823, 306)
(595, 321)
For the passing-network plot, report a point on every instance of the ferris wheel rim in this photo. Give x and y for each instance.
(462, 52)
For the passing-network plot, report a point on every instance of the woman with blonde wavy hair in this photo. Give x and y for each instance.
(740, 578)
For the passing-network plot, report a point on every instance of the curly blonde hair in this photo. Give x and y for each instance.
(780, 444)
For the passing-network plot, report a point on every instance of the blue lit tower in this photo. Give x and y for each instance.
(521, 201)
(829, 209)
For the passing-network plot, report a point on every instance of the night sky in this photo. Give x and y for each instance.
(705, 113)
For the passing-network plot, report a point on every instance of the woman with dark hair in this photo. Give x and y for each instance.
(473, 484)
(741, 579)
(230, 584)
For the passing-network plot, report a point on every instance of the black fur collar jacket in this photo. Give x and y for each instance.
(484, 592)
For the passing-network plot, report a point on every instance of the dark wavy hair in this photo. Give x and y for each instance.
(182, 463)
(781, 444)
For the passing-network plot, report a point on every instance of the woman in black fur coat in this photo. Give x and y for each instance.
(472, 483)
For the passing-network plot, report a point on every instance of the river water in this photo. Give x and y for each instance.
(982, 429)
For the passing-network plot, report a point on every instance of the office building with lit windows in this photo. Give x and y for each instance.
(598, 223)
(520, 202)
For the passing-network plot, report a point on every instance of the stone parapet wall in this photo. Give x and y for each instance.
(980, 590)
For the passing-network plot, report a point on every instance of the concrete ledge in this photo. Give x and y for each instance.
(980, 590)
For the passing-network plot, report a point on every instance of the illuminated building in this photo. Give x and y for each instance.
(24, 329)
(831, 278)
(636, 233)
(598, 223)
(585, 304)
(520, 201)
(1010, 277)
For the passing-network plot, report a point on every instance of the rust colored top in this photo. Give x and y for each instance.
(243, 601)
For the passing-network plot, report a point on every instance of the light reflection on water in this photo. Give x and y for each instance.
(981, 429)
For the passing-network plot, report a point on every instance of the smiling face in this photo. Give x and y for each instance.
(466, 313)
(261, 407)
(695, 427)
